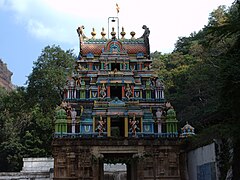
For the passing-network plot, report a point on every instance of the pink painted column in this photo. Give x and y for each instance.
(123, 91)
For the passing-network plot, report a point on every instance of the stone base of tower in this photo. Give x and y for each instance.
(145, 158)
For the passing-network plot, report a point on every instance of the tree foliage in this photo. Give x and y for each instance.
(26, 118)
(202, 77)
(46, 82)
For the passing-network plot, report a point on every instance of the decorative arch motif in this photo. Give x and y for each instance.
(114, 46)
(140, 55)
(90, 55)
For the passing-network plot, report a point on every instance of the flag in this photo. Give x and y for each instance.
(117, 7)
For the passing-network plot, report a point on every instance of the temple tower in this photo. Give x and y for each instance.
(114, 111)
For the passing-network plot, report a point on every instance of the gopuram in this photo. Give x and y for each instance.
(114, 111)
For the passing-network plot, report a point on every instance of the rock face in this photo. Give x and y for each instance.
(5, 76)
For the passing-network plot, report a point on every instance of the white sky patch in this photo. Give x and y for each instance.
(38, 29)
(75, 50)
(1, 3)
(57, 20)
(18, 6)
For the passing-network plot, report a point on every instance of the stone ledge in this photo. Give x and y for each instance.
(116, 142)
(25, 176)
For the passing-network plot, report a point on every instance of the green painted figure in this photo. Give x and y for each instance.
(61, 121)
(171, 121)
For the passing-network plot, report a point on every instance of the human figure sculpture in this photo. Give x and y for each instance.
(145, 36)
(115, 71)
(100, 127)
(133, 123)
(68, 109)
(153, 82)
(73, 116)
(159, 93)
(159, 115)
(64, 105)
(78, 81)
(128, 92)
(103, 92)
(82, 36)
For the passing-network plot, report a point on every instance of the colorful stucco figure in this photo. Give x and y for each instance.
(171, 121)
(134, 126)
(101, 126)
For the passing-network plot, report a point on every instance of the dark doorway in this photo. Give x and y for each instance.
(117, 127)
(122, 167)
(115, 66)
(116, 91)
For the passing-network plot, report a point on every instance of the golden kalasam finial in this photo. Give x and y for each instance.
(113, 33)
(122, 33)
(132, 33)
(103, 33)
(93, 33)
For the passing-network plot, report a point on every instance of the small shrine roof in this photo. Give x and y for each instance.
(187, 126)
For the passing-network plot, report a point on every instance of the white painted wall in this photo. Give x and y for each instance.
(200, 156)
(37, 164)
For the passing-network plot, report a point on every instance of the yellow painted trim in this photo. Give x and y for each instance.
(93, 124)
(108, 126)
(69, 120)
(90, 95)
(125, 127)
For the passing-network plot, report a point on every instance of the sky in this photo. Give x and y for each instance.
(27, 26)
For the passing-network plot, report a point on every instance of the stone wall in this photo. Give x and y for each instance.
(37, 165)
(33, 169)
(145, 158)
(26, 176)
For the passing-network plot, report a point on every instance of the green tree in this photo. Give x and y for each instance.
(37, 135)
(46, 82)
(13, 117)
(230, 78)
(218, 17)
(26, 117)
(202, 78)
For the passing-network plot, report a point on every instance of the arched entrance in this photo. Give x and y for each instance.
(124, 159)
